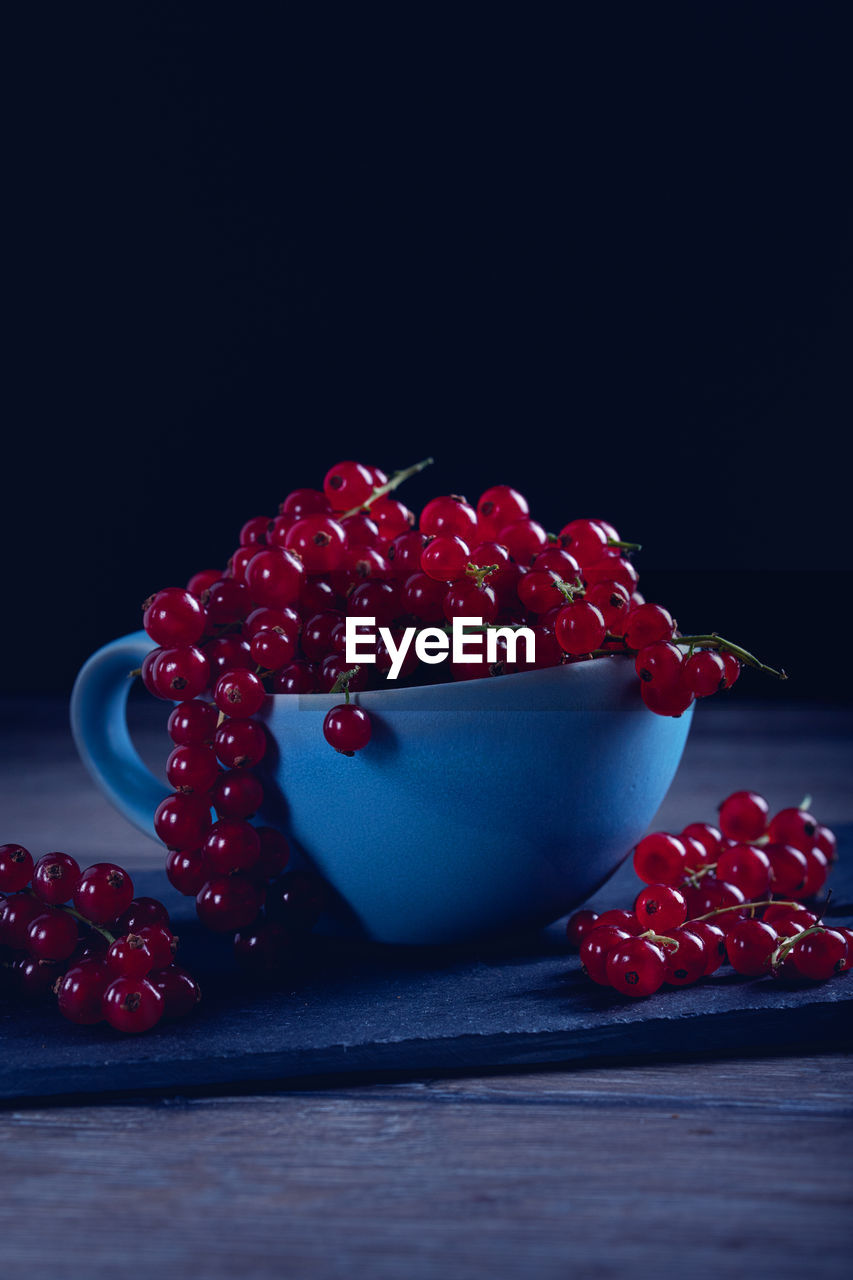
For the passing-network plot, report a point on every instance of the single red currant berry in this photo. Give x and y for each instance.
(715, 943)
(585, 539)
(820, 955)
(319, 542)
(794, 826)
(179, 989)
(254, 531)
(625, 920)
(779, 914)
(705, 673)
(160, 943)
(687, 962)
(538, 591)
(55, 878)
(847, 935)
(274, 855)
(404, 553)
(732, 669)
(276, 576)
(360, 531)
(579, 925)
(826, 842)
(132, 1005)
(129, 957)
(185, 869)
(374, 599)
(237, 794)
(272, 650)
(660, 665)
(192, 769)
(556, 560)
(636, 967)
(202, 581)
(286, 621)
(709, 837)
(231, 845)
(193, 724)
(226, 903)
(746, 867)
(174, 617)
(648, 624)
(579, 628)
(712, 895)
(749, 946)
(660, 907)
(182, 822)
(298, 677)
(499, 506)
(141, 912)
(16, 868)
(52, 935)
(304, 502)
(450, 514)
(227, 601)
(817, 871)
(103, 892)
(612, 568)
(239, 694)
(349, 484)
(15, 916)
(788, 869)
(743, 816)
(524, 539)
(180, 674)
(80, 992)
(595, 948)
(347, 728)
(611, 599)
(445, 558)
(660, 858)
(391, 517)
(422, 597)
(464, 599)
(146, 671)
(240, 744)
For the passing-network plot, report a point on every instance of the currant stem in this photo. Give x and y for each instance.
(805, 804)
(480, 572)
(341, 685)
(786, 945)
(132, 675)
(714, 641)
(624, 546)
(397, 479)
(661, 939)
(72, 911)
(744, 906)
(570, 590)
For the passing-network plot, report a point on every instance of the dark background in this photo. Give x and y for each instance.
(602, 256)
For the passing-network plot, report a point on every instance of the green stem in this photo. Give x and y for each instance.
(480, 572)
(341, 685)
(71, 911)
(661, 939)
(624, 546)
(714, 641)
(743, 906)
(397, 479)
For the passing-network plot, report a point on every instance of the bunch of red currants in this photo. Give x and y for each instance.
(699, 908)
(108, 957)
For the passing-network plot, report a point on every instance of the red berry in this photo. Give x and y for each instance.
(202, 581)
(449, 515)
(254, 531)
(103, 892)
(611, 599)
(423, 598)
(595, 948)
(712, 895)
(732, 670)
(272, 649)
(660, 665)
(827, 844)
(319, 542)
(743, 816)
(185, 869)
(820, 955)
(230, 845)
(347, 728)
(499, 506)
(705, 673)
(174, 617)
(538, 591)
(360, 531)
(817, 870)
(788, 869)
(52, 935)
(239, 694)
(141, 912)
(180, 674)
(304, 502)
(445, 558)
(660, 858)
(181, 822)
(129, 957)
(404, 554)
(16, 868)
(349, 484)
(648, 624)
(688, 962)
(132, 1005)
(747, 868)
(55, 878)
(797, 827)
(237, 794)
(227, 601)
(660, 907)
(579, 628)
(160, 943)
(778, 914)
(298, 677)
(709, 837)
(226, 903)
(585, 539)
(667, 700)
(179, 989)
(524, 539)
(274, 855)
(15, 916)
(193, 724)
(464, 599)
(227, 653)
(373, 599)
(391, 517)
(636, 967)
(80, 992)
(191, 769)
(749, 945)
(240, 744)
(275, 576)
(715, 943)
(579, 925)
(625, 920)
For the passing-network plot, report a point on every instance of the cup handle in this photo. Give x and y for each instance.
(99, 726)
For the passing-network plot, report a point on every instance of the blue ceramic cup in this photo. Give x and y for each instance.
(479, 807)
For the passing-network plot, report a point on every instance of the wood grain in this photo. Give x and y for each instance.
(706, 1169)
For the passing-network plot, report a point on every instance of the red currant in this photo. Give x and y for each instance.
(231, 845)
(636, 967)
(190, 769)
(579, 925)
(182, 822)
(16, 868)
(237, 794)
(743, 816)
(579, 628)
(347, 728)
(185, 869)
(749, 945)
(747, 868)
(445, 558)
(179, 989)
(129, 957)
(174, 617)
(820, 955)
(132, 1005)
(103, 892)
(648, 624)
(524, 539)
(319, 542)
(52, 935)
(688, 962)
(226, 903)
(239, 694)
(660, 907)
(794, 826)
(55, 877)
(349, 484)
(788, 869)
(193, 724)
(705, 673)
(80, 992)
(240, 744)
(661, 858)
(596, 947)
(450, 514)
(180, 674)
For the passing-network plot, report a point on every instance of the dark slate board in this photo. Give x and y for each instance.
(353, 1009)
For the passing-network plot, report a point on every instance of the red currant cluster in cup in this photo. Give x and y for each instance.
(108, 957)
(274, 622)
(703, 890)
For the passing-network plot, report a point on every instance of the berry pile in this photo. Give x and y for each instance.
(703, 890)
(274, 622)
(108, 957)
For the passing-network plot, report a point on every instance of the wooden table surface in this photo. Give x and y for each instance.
(729, 1167)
